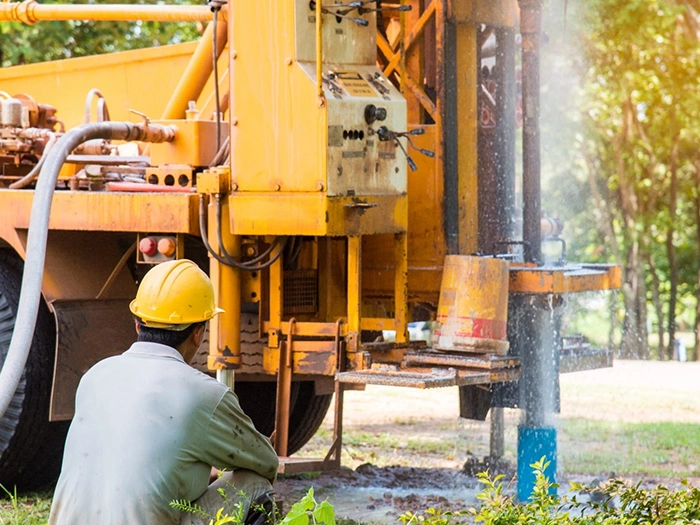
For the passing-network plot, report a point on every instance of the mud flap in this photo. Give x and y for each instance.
(474, 402)
(87, 331)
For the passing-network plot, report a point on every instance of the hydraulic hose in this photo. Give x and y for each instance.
(29, 177)
(32, 277)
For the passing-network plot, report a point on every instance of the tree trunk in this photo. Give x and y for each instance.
(634, 343)
(696, 350)
(671, 249)
(613, 299)
(658, 307)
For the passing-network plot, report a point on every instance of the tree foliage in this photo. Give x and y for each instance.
(637, 154)
(23, 44)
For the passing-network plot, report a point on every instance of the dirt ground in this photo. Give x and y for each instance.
(405, 449)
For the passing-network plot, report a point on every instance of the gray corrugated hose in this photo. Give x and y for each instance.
(38, 233)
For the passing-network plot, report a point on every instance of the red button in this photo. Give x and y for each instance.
(148, 246)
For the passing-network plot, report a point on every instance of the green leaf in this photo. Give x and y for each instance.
(324, 513)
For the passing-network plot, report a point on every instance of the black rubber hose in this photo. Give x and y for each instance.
(32, 277)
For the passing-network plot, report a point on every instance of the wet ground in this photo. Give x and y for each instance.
(406, 450)
(373, 494)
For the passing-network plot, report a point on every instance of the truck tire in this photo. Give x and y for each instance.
(31, 448)
(308, 409)
(258, 398)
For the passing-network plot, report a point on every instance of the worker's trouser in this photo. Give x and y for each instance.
(240, 486)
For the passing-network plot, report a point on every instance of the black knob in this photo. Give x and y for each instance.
(373, 113)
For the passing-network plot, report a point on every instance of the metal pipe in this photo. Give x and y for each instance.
(530, 30)
(30, 12)
(197, 72)
(284, 393)
(33, 275)
(319, 51)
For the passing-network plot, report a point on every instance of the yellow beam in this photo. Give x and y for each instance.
(30, 12)
(567, 279)
(467, 109)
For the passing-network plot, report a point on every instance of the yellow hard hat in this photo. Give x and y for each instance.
(174, 295)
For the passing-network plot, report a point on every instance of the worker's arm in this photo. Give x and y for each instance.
(233, 442)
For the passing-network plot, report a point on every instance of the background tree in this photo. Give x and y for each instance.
(637, 160)
(23, 44)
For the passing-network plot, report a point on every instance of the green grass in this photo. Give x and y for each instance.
(667, 449)
(29, 509)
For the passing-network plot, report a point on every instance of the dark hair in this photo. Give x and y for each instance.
(166, 337)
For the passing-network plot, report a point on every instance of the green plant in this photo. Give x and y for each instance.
(306, 510)
(27, 510)
(615, 502)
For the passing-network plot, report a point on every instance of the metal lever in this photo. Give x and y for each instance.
(359, 21)
(393, 7)
(385, 134)
(342, 10)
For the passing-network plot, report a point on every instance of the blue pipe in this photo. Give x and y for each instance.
(533, 444)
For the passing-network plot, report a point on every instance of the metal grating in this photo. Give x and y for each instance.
(300, 293)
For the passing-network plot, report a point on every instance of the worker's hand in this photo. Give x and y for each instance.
(213, 475)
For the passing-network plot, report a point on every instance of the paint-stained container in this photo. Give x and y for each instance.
(473, 308)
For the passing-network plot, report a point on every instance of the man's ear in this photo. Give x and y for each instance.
(138, 327)
(198, 335)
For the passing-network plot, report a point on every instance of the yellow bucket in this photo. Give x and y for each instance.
(473, 309)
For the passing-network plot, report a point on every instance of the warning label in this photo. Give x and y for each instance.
(355, 84)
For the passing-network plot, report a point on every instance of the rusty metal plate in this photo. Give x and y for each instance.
(479, 361)
(579, 360)
(571, 278)
(87, 332)
(439, 379)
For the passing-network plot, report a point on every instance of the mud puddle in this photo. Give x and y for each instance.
(373, 494)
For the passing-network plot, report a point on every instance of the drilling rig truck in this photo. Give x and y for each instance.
(339, 168)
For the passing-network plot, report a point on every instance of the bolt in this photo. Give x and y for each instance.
(320, 186)
(288, 61)
(278, 187)
(234, 54)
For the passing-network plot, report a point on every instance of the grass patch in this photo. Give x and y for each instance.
(29, 509)
(664, 449)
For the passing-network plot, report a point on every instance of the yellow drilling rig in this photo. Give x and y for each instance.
(340, 168)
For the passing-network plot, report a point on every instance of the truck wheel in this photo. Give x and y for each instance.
(31, 448)
(308, 409)
(258, 398)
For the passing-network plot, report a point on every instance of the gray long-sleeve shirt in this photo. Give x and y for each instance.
(147, 430)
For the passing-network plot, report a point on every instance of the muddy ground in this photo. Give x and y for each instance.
(405, 449)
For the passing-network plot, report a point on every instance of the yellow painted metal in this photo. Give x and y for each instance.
(354, 291)
(198, 70)
(138, 80)
(278, 100)
(225, 329)
(275, 303)
(467, 144)
(194, 144)
(105, 211)
(568, 279)
(310, 329)
(214, 180)
(316, 214)
(31, 12)
(308, 357)
(319, 52)
(401, 286)
(473, 309)
(378, 323)
(504, 13)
